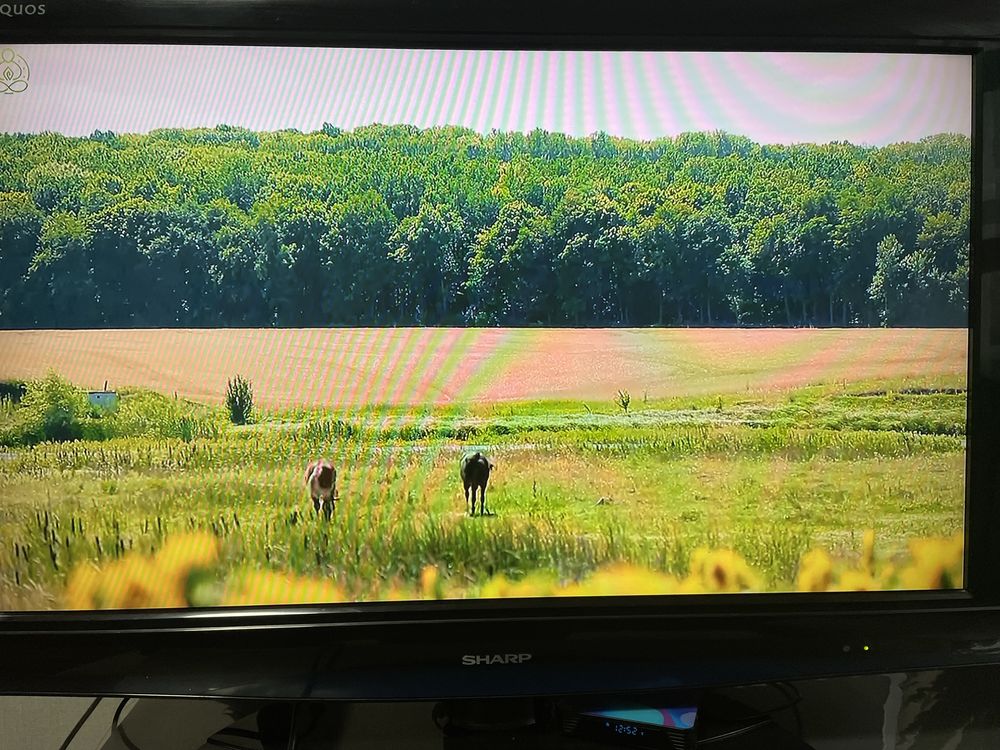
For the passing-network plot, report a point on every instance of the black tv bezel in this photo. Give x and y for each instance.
(917, 27)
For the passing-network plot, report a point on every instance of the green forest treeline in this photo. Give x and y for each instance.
(393, 225)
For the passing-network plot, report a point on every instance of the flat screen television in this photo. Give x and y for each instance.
(391, 350)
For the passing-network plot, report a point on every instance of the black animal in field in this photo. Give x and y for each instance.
(475, 473)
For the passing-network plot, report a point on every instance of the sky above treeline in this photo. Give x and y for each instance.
(870, 99)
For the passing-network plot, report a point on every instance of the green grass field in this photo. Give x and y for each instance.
(578, 485)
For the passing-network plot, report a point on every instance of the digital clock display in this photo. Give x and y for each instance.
(634, 724)
(645, 718)
(628, 730)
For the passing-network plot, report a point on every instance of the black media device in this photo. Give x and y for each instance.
(413, 349)
(635, 725)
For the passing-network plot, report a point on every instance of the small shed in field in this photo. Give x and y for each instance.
(103, 399)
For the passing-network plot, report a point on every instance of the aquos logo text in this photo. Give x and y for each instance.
(477, 660)
(21, 9)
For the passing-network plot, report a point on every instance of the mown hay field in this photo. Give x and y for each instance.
(360, 367)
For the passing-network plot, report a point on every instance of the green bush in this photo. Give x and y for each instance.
(51, 409)
(149, 414)
(239, 400)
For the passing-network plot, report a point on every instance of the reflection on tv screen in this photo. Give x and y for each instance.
(292, 325)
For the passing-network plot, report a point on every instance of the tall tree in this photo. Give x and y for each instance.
(511, 280)
(428, 250)
(358, 269)
(20, 227)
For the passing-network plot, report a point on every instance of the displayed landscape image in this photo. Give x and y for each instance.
(708, 340)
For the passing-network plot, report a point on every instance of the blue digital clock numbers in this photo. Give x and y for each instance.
(630, 730)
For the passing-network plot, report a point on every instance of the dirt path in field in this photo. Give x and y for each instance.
(441, 366)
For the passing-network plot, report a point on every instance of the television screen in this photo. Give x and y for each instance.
(304, 325)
